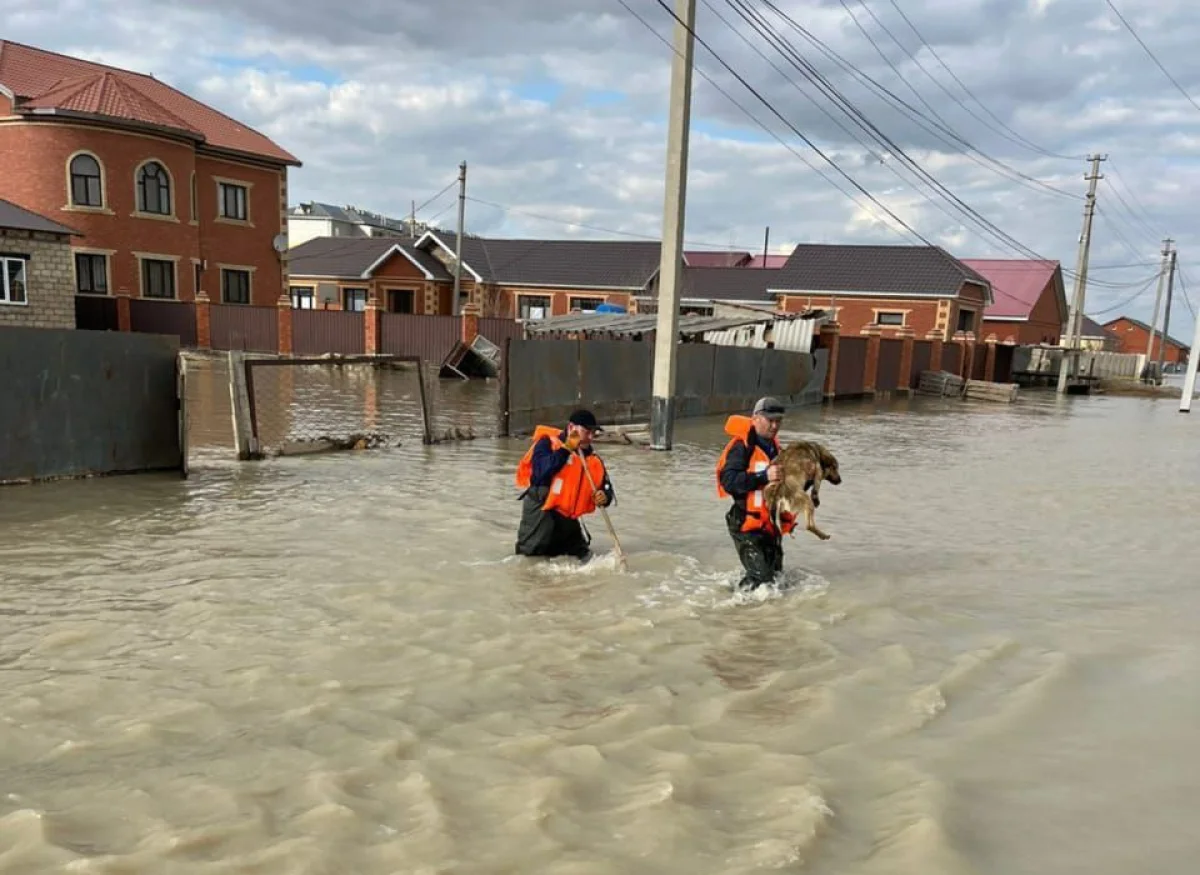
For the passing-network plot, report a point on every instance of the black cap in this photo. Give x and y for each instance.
(769, 407)
(585, 419)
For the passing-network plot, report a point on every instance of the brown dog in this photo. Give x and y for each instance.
(804, 464)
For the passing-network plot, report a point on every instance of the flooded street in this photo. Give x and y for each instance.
(332, 664)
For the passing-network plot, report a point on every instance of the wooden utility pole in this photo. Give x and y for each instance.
(670, 270)
(1162, 341)
(1075, 319)
(766, 245)
(1147, 372)
(456, 307)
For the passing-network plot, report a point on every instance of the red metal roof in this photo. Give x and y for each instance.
(1017, 284)
(47, 82)
(716, 259)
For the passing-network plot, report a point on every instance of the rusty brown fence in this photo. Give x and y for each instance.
(499, 331)
(851, 366)
(96, 313)
(315, 332)
(430, 337)
(247, 329)
(921, 357)
(1004, 364)
(163, 317)
(952, 358)
(888, 377)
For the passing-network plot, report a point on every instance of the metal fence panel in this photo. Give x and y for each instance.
(888, 376)
(247, 329)
(87, 402)
(316, 332)
(96, 313)
(164, 317)
(430, 337)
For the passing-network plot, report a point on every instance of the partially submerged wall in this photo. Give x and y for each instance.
(546, 379)
(77, 403)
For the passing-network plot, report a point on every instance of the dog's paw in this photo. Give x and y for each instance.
(824, 537)
(816, 500)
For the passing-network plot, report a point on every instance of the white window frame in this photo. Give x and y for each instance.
(5, 291)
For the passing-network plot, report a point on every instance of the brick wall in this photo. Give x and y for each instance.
(49, 277)
(36, 157)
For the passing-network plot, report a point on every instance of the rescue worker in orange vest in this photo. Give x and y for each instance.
(558, 492)
(745, 467)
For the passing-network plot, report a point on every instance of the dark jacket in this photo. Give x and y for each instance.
(547, 462)
(735, 478)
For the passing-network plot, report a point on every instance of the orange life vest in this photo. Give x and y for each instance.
(570, 492)
(758, 517)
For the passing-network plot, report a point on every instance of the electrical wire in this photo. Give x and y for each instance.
(1127, 301)
(783, 142)
(1153, 58)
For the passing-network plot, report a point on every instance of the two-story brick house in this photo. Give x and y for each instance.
(170, 195)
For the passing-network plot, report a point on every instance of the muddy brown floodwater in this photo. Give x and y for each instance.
(333, 665)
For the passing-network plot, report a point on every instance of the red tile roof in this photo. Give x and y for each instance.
(1016, 283)
(47, 82)
(770, 262)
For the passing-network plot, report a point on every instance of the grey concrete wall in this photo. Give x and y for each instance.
(547, 379)
(75, 403)
(49, 280)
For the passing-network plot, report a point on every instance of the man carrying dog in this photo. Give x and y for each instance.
(744, 469)
(558, 491)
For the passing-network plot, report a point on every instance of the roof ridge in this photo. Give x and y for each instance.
(76, 59)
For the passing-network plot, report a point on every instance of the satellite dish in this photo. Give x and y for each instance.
(280, 242)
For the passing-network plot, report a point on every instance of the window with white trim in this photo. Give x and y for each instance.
(235, 286)
(154, 189)
(12, 279)
(86, 188)
(586, 305)
(158, 278)
(302, 298)
(894, 319)
(533, 307)
(91, 274)
(966, 320)
(233, 202)
(354, 300)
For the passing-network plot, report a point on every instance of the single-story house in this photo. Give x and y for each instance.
(705, 288)
(1030, 305)
(922, 288)
(37, 271)
(532, 279)
(1094, 336)
(1133, 335)
(338, 273)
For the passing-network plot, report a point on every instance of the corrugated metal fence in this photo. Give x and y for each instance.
(163, 317)
(248, 329)
(316, 332)
(430, 337)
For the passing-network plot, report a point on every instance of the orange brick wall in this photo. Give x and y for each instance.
(1133, 339)
(35, 156)
(856, 313)
(1044, 324)
(560, 299)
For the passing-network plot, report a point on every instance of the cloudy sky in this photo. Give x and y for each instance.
(968, 121)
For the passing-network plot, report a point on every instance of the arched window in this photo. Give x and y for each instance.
(154, 189)
(86, 190)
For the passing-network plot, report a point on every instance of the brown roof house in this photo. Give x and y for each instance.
(922, 288)
(715, 291)
(532, 279)
(36, 288)
(339, 273)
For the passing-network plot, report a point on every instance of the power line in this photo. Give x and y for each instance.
(436, 196)
(1144, 219)
(850, 109)
(1129, 300)
(1153, 58)
(780, 140)
(1019, 139)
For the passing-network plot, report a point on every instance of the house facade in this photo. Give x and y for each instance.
(705, 289)
(1132, 336)
(36, 290)
(337, 273)
(1094, 336)
(171, 197)
(894, 289)
(533, 279)
(1030, 302)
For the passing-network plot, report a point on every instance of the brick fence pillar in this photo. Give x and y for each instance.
(938, 345)
(989, 369)
(371, 325)
(874, 336)
(203, 321)
(831, 333)
(124, 319)
(908, 338)
(284, 316)
(470, 323)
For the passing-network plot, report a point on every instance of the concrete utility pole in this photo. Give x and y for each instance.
(670, 270)
(1162, 341)
(456, 307)
(1162, 276)
(1189, 381)
(1075, 318)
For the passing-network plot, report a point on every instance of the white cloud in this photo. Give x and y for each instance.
(559, 109)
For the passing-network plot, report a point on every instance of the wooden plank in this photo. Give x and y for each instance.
(980, 390)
